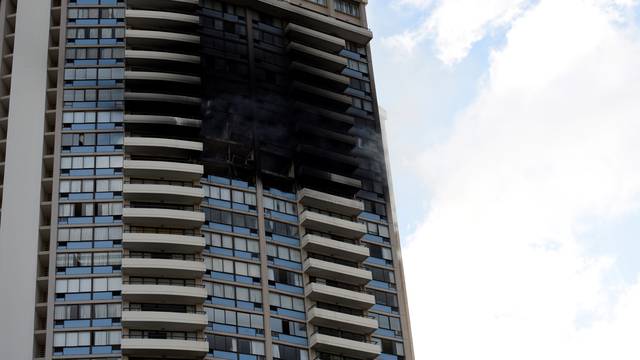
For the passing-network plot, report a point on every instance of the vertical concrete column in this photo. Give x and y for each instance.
(331, 7)
(264, 271)
(19, 229)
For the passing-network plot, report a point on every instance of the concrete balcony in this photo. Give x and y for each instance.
(332, 271)
(318, 58)
(337, 320)
(324, 175)
(150, 38)
(149, 267)
(148, 169)
(345, 347)
(328, 202)
(137, 57)
(147, 19)
(334, 248)
(159, 217)
(163, 242)
(346, 160)
(339, 296)
(185, 5)
(161, 120)
(318, 130)
(176, 349)
(338, 99)
(163, 294)
(322, 78)
(162, 76)
(161, 320)
(163, 193)
(162, 98)
(317, 20)
(150, 146)
(315, 38)
(325, 113)
(332, 225)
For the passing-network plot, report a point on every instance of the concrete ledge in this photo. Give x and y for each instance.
(332, 203)
(164, 294)
(164, 347)
(332, 271)
(338, 320)
(339, 296)
(163, 170)
(345, 347)
(156, 320)
(162, 242)
(187, 269)
(338, 249)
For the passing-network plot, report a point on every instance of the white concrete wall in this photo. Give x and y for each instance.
(22, 182)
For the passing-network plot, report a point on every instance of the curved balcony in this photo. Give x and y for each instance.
(326, 113)
(343, 181)
(345, 347)
(338, 272)
(337, 320)
(334, 248)
(161, 76)
(136, 57)
(163, 294)
(315, 38)
(317, 130)
(158, 192)
(164, 4)
(158, 40)
(150, 19)
(161, 320)
(332, 225)
(162, 98)
(159, 146)
(328, 202)
(163, 242)
(323, 78)
(334, 159)
(163, 170)
(174, 348)
(159, 217)
(313, 92)
(161, 120)
(185, 269)
(339, 296)
(317, 58)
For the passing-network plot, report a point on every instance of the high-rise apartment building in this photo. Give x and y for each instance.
(191, 179)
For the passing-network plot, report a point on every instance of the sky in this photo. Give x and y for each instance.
(513, 130)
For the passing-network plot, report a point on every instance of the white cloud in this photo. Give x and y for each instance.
(498, 270)
(457, 24)
(416, 3)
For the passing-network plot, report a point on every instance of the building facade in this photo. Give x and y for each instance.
(191, 179)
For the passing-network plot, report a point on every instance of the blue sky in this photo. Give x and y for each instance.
(513, 128)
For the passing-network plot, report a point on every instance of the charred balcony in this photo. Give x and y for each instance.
(159, 104)
(327, 181)
(316, 58)
(318, 77)
(320, 97)
(313, 132)
(317, 39)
